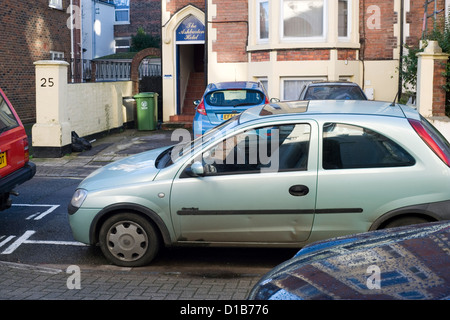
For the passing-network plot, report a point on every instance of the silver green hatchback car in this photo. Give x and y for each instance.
(279, 175)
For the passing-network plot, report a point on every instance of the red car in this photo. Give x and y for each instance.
(15, 167)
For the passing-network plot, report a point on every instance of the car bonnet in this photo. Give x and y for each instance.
(134, 169)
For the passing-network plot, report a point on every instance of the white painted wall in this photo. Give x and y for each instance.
(86, 108)
(97, 33)
(96, 107)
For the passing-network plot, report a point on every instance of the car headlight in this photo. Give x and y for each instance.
(77, 200)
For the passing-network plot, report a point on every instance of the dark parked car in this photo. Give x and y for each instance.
(336, 90)
(410, 262)
(15, 167)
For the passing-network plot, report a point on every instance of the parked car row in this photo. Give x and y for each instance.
(224, 100)
(282, 175)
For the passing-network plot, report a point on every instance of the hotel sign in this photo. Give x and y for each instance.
(190, 30)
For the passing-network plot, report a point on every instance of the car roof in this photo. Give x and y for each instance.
(327, 83)
(227, 85)
(314, 107)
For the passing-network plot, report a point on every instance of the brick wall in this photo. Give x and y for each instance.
(29, 31)
(260, 56)
(143, 13)
(439, 93)
(174, 5)
(231, 24)
(303, 54)
(415, 19)
(377, 29)
(347, 54)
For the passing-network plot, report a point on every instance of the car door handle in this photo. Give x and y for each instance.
(299, 190)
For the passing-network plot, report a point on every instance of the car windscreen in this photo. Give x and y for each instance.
(334, 92)
(7, 119)
(234, 97)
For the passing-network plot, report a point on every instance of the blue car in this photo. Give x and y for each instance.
(403, 263)
(224, 100)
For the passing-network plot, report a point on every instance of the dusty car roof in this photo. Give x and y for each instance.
(328, 83)
(311, 107)
(233, 85)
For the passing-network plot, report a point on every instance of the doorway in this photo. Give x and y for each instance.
(190, 76)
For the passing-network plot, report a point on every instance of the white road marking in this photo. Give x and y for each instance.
(24, 240)
(38, 216)
(6, 240)
(18, 242)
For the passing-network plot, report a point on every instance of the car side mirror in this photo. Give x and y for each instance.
(274, 100)
(197, 169)
(196, 103)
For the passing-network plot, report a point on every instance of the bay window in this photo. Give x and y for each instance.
(343, 18)
(263, 17)
(303, 18)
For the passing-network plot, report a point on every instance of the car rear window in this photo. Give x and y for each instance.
(234, 97)
(7, 119)
(348, 147)
(334, 93)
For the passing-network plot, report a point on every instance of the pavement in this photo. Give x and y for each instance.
(37, 282)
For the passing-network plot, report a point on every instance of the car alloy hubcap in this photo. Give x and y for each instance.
(127, 241)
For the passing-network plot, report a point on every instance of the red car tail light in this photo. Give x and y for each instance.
(26, 149)
(201, 108)
(430, 141)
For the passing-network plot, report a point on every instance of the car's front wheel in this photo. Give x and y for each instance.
(129, 240)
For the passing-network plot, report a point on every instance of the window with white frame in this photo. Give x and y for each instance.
(122, 44)
(292, 87)
(344, 18)
(263, 19)
(303, 19)
(122, 10)
(56, 55)
(55, 4)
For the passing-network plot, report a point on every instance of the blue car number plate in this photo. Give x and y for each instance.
(229, 116)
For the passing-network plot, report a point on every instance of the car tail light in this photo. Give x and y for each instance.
(267, 101)
(26, 149)
(201, 108)
(428, 139)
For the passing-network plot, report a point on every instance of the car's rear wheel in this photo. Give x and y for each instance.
(129, 240)
(405, 221)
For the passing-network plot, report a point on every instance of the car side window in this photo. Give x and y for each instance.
(7, 119)
(267, 149)
(348, 146)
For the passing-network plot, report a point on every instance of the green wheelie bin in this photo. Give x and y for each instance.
(147, 108)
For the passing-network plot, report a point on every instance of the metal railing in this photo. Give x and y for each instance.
(82, 70)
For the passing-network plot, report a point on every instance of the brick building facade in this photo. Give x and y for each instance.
(143, 13)
(286, 44)
(30, 31)
(368, 54)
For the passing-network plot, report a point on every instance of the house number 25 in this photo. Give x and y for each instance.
(47, 82)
